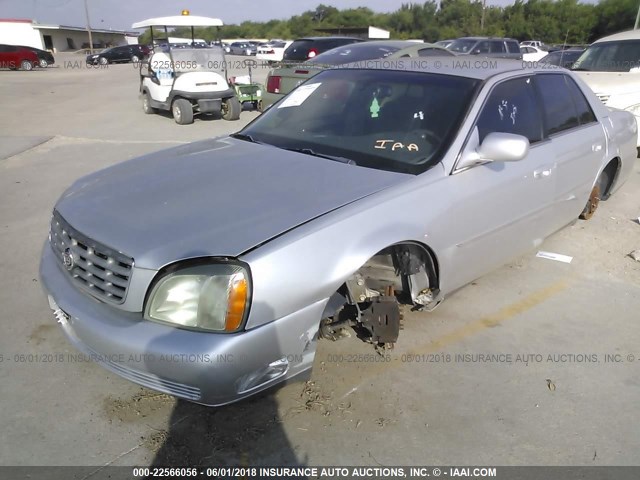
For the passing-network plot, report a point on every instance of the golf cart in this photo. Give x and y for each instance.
(186, 81)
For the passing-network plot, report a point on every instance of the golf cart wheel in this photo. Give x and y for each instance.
(182, 111)
(231, 109)
(103, 61)
(43, 63)
(146, 104)
(135, 59)
(26, 65)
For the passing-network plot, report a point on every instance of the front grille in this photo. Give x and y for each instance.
(103, 272)
(604, 98)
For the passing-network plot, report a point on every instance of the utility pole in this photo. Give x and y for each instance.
(635, 27)
(86, 11)
(484, 6)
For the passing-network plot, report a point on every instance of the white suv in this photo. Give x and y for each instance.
(611, 67)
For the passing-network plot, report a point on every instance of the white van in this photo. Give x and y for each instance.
(611, 67)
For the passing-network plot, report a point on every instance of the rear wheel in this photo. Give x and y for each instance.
(26, 65)
(231, 109)
(182, 111)
(597, 193)
(135, 59)
(146, 104)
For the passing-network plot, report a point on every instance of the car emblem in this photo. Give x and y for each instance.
(67, 259)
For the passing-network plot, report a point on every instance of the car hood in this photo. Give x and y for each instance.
(611, 83)
(218, 197)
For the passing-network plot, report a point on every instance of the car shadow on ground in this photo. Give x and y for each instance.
(248, 433)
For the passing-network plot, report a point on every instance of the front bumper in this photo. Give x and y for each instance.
(207, 368)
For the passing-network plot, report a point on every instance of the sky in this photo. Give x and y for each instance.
(120, 14)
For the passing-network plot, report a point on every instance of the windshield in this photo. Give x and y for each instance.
(620, 56)
(353, 53)
(462, 45)
(198, 59)
(298, 50)
(388, 120)
(561, 58)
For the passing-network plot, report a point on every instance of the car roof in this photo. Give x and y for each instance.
(458, 66)
(315, 39)
(627, 35)
(385, 43)
(485, 38)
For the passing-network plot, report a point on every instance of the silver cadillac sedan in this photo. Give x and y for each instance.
(209, 271)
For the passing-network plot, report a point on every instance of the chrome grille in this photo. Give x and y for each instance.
(103, 272)
(604, 98)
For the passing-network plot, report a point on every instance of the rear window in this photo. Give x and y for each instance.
(559, 106)
(300, 49)
(353, 53)
(462, 45)
(513, 47)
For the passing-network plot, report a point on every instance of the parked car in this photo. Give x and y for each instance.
(562, 58)
(121, 54)
(304, 49)
(272, 52)
(444, 43)
(532, 54)
(45, 58)
(208, 271)
(611, 67)
(282, 80)
(533, 43)
(15, 58)
(486, 47)
(242, 48)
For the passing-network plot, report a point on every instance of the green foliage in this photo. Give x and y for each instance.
(552, 21)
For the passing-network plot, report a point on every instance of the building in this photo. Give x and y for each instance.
(60, 38)
(360, 32)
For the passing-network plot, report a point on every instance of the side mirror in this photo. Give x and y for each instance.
(503, 147)
(496, 147)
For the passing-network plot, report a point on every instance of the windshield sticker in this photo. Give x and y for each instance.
(384, 145)
(374, 108)
(299, 95)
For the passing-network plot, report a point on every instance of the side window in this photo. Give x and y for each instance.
(481, 47)
(585, 113)
(497, 46)
(560, 111)
(512, 108)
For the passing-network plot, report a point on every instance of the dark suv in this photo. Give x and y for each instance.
(487, 47)
(125, 53)
(306, 48)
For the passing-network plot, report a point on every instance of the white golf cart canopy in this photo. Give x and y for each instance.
(179, 21)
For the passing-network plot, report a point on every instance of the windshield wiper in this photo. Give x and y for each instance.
(244, 136)
(313, 153)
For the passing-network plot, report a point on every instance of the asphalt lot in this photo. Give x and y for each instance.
(557, 402)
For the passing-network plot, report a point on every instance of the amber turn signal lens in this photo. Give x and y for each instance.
(237, 303)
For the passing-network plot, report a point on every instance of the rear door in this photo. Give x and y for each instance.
(578, 142)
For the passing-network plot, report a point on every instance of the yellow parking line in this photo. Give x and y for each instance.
(507, 313)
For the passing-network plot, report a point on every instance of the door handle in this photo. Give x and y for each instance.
(542, 173)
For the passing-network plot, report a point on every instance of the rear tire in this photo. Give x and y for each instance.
(26, 65)
(231, 109)
(182, 111)
(146, 104)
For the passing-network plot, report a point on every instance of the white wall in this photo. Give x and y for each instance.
(20, 33)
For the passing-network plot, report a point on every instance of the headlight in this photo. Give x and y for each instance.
(213, 297)
(635, 109)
